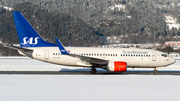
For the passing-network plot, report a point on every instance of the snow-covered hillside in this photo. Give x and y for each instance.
(171, 22)
(7, 8)
(120, 7)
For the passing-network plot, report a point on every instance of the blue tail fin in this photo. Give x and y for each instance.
(28, 37)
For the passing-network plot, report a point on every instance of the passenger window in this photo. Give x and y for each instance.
(53, 53)
(97, 54)
(58, 53)
(116, 54)
(149, 55)
(123, 54)
(100, 54)
(108, 54)
(89, 54)
(94, 54)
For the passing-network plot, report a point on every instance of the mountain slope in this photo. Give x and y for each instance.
(69, 29)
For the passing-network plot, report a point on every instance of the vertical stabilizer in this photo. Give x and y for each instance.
(28, 37)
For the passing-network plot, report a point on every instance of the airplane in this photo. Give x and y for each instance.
(111, 59)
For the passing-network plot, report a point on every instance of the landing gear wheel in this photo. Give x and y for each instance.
(155, 71)
(93, 71)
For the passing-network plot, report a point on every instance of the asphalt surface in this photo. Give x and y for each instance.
(88, 73)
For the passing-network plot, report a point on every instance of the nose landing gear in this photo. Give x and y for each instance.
(93, 70)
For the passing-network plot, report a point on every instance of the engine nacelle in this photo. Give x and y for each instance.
(117, 66)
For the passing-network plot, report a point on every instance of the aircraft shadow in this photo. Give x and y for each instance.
(135, 72)
(87, 72)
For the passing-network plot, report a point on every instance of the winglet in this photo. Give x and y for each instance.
(61, 48)
(70, 45)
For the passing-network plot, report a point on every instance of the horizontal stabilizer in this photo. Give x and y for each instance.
(18, 48)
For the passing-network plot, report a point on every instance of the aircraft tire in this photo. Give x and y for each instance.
(93, 71)
(155, 71)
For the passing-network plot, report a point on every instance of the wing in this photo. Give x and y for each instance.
(91, 60)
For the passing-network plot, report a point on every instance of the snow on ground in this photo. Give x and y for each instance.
(28, 64)
(89, 88)
(83, 87)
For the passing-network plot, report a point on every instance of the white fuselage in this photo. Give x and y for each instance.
(145, 58)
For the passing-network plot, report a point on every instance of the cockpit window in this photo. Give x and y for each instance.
(165, 55)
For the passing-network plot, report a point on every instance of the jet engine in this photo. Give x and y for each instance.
(117, 66)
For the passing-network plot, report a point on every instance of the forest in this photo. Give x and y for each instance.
(89, 22)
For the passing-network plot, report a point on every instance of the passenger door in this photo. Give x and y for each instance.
(154, 56)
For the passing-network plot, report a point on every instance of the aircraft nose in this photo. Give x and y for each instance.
(172, 60)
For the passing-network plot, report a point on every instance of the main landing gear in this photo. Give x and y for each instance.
(93, 70)
(155, 71)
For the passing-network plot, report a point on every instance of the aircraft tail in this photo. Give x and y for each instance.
(28, 37)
